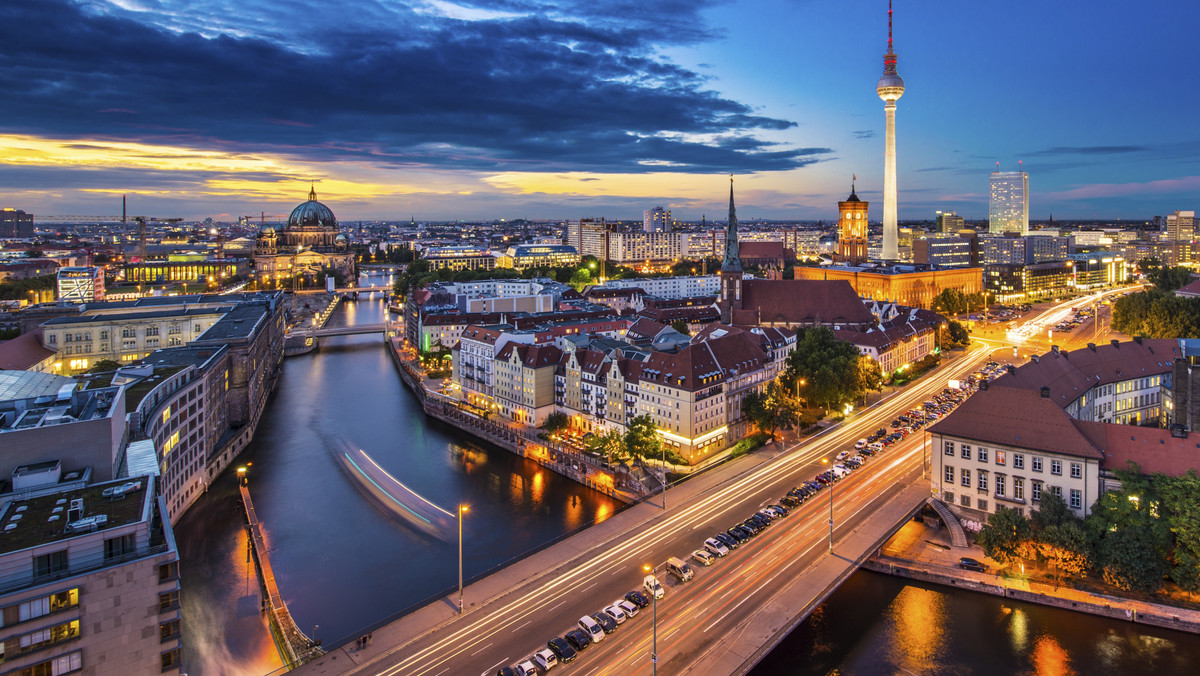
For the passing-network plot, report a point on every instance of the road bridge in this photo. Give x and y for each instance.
(722, 621)
(354, 330)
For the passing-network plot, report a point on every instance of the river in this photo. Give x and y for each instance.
(342, 563)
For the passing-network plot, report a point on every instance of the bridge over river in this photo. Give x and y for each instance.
(721, 622)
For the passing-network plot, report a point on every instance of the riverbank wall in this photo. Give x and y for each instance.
(580, 469)
(1117, 608)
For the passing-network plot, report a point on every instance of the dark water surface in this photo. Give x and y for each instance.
(340, 561)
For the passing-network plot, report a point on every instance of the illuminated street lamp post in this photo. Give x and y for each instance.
(462, 509)
(654, 645)
(825, 461)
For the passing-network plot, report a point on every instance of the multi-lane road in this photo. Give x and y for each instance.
(701, 622)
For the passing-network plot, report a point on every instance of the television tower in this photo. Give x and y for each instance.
(890, 88)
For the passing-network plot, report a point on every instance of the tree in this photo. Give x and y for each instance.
(1003, 534)
(641, 438)
(950, 302)
(1065, 547)
(870, 374)
(1128, 560)
(1169, 279)
(1156, 314)
(611, 445)
(33, 253)
(1148, 265)
(1180, 506)
(681, 326)
(556, 422)
(1052, 512)
(105, 366)
(829, 368)
(768, 410)
(958, 335)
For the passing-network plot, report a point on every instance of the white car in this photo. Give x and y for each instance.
(592, 628)
(526, 668)
(703, 557)
(860, 444)
(626, 607)
(714, 545)
(843, 455)
(614, 611)
(545, 659)
(652, 587)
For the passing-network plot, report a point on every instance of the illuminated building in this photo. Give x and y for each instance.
(1180, 235)
(852, 229)
(309, 244)
(459, 258)
(158, 272)
(538, 256)
(80, 285)
(16, 224)
(890, 88)
(1016, 282)
(657, 220)
(1008, 209)
(949, 221)
(912, 285)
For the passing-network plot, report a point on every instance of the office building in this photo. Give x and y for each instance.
(525, 256)
(16, 224)
(1035, 281)
(657, 220)
(1180, 236)
(949, 251)
(1008, 209)
(459, 258)
(80, 284)
(950, 222)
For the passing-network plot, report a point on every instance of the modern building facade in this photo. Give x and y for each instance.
(16, 224)
(657, 220)
(946, 251)
(1015, 282)
(459, 258)
(949, 222)
(80, 284)
(525, 256)
(1008, 209)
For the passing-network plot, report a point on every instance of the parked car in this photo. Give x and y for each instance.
(790, 500)
(630, 609)
(545, 659)
(780, 510)
(843, 455)
(967, 563)
(861, 443)
(680, 569)
(637, 598)
(526, 668)
(728, 540)
(562, 649)
(614, 611)
(579, 639)
(607, 623)
(652, 587)
(592, 627)
(507, 671)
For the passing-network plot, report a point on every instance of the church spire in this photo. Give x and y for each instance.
(733, 261)
(312, 192)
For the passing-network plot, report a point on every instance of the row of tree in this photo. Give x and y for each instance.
(1135, 538)
(19, 289)
(1157, 314)
(951, 302)
(640, 440)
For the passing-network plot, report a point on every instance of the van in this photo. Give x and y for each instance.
(679, 569)
(593, 628)
(652, 587)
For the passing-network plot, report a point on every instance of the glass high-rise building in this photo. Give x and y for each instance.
(1009, 208)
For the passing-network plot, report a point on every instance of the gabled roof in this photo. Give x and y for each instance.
(23, 352)
(760, 250)
(1070, 375)
(646, 329)
(801, 301)
(1154, 450)
(1017, 417)
(1189, 289)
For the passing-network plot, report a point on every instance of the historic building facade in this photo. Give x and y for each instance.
(310, 243)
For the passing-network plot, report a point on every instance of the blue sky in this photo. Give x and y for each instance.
(569, 108)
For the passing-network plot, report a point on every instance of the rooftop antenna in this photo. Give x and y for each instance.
(997, 166)
(1020, 166)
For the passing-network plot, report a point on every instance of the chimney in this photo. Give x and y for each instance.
(1054, 348)
(1012, 369)
(1035, 358)
(1092, 347)
(1137, 339)
(1116, 343)
(1045, 393)
(983, 384)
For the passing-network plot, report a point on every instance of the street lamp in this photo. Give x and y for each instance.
(241, 475)
(825, 461)
(654, 645)
(462, 509)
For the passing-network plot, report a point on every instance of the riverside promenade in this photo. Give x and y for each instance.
(918, 553)
(294, 647)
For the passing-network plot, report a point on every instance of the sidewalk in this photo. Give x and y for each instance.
(921, 553)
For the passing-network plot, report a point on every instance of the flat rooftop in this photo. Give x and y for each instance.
(38, 524)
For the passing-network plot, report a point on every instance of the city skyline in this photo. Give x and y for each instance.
(584, 111)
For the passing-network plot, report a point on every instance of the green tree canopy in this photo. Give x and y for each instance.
(556, 422)
(1156, 314)
(641, 438)
(828, 367)
(681, 326)
(1169, 279)
(105, 366)
(769, 410)
(1003, 534)
(611, 445)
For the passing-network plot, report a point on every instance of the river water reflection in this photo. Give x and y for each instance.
(341, 562)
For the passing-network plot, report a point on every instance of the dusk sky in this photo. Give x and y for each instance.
(576, 108)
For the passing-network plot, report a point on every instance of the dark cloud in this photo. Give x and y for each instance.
(1090, 150)
(863, 133)
(574, 85)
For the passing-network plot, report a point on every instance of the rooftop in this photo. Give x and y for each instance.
(43, 520)
(29, 385)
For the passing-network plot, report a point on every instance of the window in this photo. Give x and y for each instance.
(1056, 467)
(115, 548)
(1076, 498)
(949, 445)
(55, 666)
(949, 475)
(151, 330)
(1001, 456)
(171, 660)
(1018, 461)
(983, 455)
(1018, 488)
(965, 452)
(1037, 463)
(174, 330)
(1076, 470)
(50, 564)
(1035, 491)
(1000, 486)
(168, 601)
(1056, 491)
(966, 477)
(965, 500)
(168, 631)
(48, 636)
(982, 505)
(983, 480)
(128, 333)
(53, 339)
(948, 497)
(168, 571)
(67, 338)
(104, 335)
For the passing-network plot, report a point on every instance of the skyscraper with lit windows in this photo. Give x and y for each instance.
(1008, 210)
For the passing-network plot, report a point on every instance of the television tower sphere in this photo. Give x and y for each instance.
(890, 87)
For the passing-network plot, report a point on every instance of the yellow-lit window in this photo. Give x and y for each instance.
(166, 414)
(78, 364)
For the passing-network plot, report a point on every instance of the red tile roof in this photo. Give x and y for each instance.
(1154, 450)
(1070, 375)
(1017, 417)
(804, 302)
(23, 352)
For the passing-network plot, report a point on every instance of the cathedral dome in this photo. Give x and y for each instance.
(312, 213)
